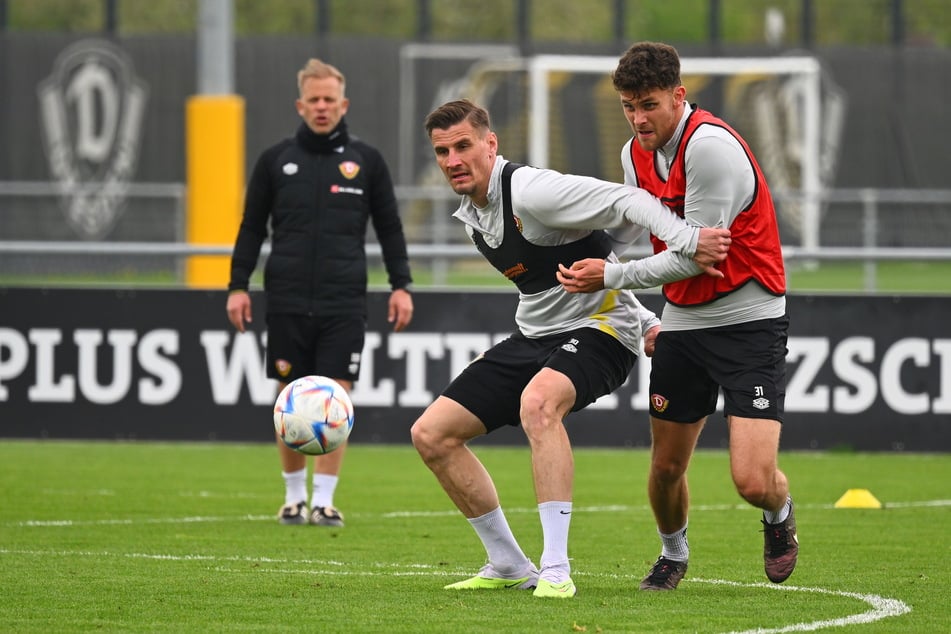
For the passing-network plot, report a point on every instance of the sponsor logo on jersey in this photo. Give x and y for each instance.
(514, 271)
(338, 189)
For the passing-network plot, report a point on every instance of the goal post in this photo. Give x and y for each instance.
(801, 144)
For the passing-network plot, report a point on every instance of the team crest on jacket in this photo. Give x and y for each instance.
(349, 169)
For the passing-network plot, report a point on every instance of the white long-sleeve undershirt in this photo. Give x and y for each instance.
(556, 209)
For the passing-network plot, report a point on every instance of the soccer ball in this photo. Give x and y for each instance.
(313, 415)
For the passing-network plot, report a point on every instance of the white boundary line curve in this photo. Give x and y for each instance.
(881, 607)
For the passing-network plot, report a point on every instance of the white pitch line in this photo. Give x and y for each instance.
(881, 607)
(217, 558)
(153, 520)
(620, 508)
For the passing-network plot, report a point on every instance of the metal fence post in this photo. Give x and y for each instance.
(870, 237)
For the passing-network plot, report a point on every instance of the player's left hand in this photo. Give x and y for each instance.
(584, 276)
(400, 311)
(650, 340)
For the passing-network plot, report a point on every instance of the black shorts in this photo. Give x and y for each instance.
(491, 386)
(747, 361)
(300, 345)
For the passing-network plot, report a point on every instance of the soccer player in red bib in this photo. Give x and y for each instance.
(717, 333)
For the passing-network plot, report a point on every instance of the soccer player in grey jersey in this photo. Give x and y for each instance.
(568, 349)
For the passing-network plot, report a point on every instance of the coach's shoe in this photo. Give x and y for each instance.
(489, 579)
(665, 575)
(293, 513)
(781, 548)
(326, 516)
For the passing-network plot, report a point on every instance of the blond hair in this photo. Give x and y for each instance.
(315, 68)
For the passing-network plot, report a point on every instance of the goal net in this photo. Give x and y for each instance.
(774, 102)
(562, 112)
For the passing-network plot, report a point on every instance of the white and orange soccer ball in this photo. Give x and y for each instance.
(313, 415)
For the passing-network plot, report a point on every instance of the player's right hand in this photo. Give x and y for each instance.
(584, 276)
(650, 340)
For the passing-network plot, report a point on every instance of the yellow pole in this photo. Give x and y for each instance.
(214, 154)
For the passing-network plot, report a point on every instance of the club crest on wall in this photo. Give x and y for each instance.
(91, 109)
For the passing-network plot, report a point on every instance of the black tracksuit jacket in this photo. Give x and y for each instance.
(315, 194)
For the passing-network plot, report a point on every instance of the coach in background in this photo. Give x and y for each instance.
(724, 333)
(568, 350)
(318, 189)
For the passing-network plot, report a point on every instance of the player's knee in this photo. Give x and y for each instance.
(753, 489)
(424, 440)
(430, 442)
(668, 469)
(537, 412)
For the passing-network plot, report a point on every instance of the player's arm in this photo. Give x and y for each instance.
(720, 178)
(569, 201)
(247, 247)
(384, 214)
(720, 183)
(589, 275)
(581, 202)
(654, 271)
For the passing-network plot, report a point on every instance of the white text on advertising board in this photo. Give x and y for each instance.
(107, 366)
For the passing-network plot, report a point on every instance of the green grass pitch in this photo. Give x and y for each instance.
(182, 537)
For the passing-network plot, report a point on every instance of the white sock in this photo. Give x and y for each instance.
(295, 486)
(556, 519)
(675, 545)
(503, 551)
(776, 517)
(324, 487)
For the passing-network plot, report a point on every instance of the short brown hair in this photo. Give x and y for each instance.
(319, 70)
(647, 66)
(453, 112)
